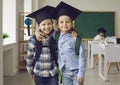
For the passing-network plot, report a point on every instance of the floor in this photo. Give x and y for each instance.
(91, 78)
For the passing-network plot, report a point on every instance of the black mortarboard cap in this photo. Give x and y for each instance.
(42, 14)
(65, 9)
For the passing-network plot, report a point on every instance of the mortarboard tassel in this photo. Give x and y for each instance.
(28, 22)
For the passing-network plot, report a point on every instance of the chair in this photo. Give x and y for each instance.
(93, 49)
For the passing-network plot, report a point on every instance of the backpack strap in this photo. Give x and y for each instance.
(77, 45)
(57, 34)
(53, 49)
(38, 48)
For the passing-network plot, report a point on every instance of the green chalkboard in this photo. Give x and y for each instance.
(87, 23)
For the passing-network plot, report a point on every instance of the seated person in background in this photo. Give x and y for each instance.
(101, 34)
(99, 37)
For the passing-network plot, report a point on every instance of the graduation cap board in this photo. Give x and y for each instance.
(66, 9)
(39, 15)
(42, 14)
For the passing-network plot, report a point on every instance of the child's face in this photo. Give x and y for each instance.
(101, 34)
(46, 26)
(65, 23)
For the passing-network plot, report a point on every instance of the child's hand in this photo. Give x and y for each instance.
(39, 35)
(80, 80)
(73, 34)
(33, 76)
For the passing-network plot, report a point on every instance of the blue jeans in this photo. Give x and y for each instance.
(70, 77)
(46, 80)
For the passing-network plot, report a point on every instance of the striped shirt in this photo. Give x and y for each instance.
(45, 66)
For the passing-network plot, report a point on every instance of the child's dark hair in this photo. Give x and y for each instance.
(101, 30)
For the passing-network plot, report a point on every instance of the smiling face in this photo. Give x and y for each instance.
(65, 23)
(46, 26)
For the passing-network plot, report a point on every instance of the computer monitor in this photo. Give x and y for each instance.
(118, 40)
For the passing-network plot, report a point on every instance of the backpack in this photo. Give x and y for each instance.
(77, 43)
(38, 49)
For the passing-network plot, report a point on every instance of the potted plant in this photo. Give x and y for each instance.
(5, 35)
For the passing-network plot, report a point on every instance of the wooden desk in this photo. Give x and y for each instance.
(112, 54)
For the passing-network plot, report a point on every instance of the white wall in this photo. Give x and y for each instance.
(35, 5)
(1, 55)
(91, 5)
(28, 5)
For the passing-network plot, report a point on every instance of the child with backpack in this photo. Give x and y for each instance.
(41, 55)
(72, 66)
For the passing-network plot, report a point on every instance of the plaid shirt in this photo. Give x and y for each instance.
(45, 66)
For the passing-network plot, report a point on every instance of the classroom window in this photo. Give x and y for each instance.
(9, 19)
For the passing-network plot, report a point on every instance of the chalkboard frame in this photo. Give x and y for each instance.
(88, 22)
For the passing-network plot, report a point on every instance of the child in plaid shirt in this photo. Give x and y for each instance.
(42, 53)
